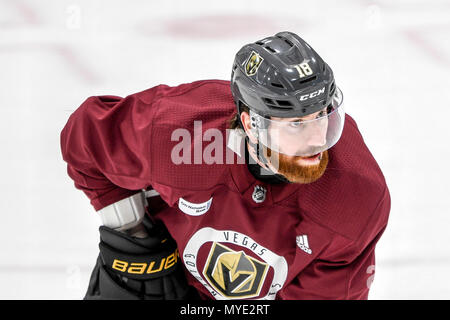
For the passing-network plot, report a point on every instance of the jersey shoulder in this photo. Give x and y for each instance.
(189, 133)
(352, 197)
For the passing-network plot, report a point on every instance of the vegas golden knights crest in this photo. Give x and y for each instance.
(233, 273)
(253, 63)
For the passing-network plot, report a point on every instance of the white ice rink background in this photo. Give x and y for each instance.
(391, 59)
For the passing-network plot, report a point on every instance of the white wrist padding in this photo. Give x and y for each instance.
(124, 214)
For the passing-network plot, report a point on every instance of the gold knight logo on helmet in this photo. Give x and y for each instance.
(233, 273)
(253, 63)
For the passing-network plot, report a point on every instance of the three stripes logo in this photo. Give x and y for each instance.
(302, 243)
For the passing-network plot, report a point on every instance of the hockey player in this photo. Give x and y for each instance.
(285, 201)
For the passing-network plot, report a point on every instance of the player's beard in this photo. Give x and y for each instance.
(289, 167)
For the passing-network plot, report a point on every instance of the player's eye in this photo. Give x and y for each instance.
(321, 114)
(295, 124)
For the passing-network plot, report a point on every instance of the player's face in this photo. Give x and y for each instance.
(302, 137)
(299, 169)
(305, 136)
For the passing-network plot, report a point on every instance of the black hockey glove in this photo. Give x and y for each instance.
(138, 268)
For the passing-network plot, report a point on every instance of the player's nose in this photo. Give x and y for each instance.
(317, 135)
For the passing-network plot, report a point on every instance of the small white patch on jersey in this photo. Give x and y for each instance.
(194, 209)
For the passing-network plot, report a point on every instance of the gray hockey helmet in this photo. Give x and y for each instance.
(281, 76)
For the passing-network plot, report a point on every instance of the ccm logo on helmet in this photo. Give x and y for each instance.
(312, 94)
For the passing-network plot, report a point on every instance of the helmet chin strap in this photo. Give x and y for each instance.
(259, 153)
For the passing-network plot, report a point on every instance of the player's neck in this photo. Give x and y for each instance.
(253, 158)
(259, 170)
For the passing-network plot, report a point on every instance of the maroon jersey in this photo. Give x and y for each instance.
(238, 237)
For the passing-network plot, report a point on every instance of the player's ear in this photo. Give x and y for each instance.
(245, 119)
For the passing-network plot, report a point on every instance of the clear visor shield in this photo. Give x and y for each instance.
(305, 136)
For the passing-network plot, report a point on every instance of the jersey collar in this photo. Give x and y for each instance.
(245, 181)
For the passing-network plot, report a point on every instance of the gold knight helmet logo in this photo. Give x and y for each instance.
(233, 273)
(253, 63)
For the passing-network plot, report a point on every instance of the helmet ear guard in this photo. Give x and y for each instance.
(253, 133)
(253, 120)
(255, 123)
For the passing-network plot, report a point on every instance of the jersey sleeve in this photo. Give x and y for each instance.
(106, 144)
(346, 269)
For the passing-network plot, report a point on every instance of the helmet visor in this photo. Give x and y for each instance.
(306, 136)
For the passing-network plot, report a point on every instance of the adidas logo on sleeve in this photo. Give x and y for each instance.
(302, 243)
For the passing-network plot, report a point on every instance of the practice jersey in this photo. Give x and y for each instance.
(238, 237)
